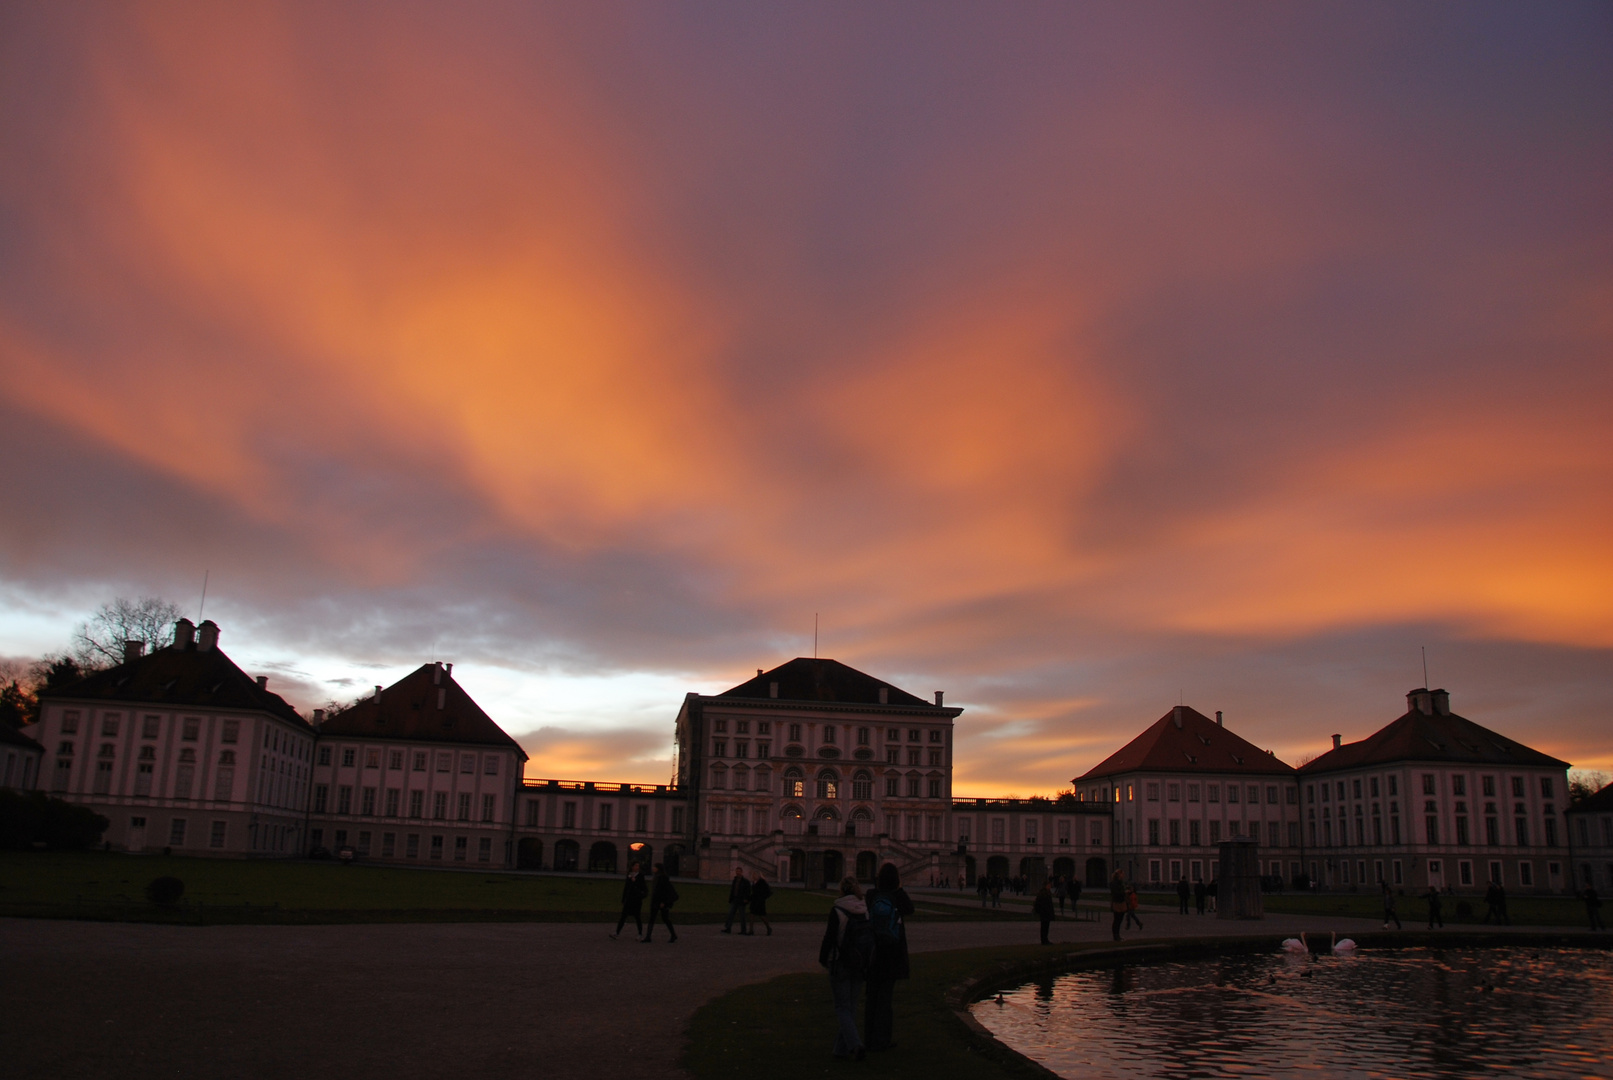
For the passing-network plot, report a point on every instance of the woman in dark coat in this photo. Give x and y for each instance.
(662, 896)
(888, 909)
(760, 890)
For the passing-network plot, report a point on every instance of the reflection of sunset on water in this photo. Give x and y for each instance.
(1076, 366)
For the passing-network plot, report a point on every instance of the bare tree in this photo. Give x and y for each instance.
(1583, 783)
(98, 642)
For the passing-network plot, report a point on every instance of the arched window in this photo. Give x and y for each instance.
(826, 813)
(828, 784)
(794, 783)
(862, 785)
(793, 820)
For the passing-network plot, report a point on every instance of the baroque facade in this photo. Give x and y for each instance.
(806, 772)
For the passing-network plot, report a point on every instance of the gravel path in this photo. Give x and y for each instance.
(468, 1000)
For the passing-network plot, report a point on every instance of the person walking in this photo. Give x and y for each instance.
(1200, 894)
(738, 902)
(1435, 911)
(1213, 888)
(1389, 912)
(996, 891)
(1060, 891)
(1593, 908)
(888, 909)
(847, 952)
(1043, 907)
(760, 890)
(1075, 896)
(1131, 908)
(983, 887)
(1183, 891)
(633, 892)
(1117, 902)
(662, 897)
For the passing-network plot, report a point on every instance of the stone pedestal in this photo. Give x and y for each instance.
(1238, 890)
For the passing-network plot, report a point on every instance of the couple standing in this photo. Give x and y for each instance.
(751, 895)
(662, 896)
(865, 943)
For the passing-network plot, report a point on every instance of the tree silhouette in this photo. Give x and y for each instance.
(98, 642)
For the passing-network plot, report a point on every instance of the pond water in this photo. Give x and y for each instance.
(1404, 1013)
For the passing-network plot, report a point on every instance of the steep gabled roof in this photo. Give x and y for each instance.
(1438, 735)
(410, 709)
(10, 736)
(184, 674)
(810, 679)
(1600, 803)
(1185, 740)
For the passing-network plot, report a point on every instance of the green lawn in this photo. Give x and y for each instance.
(102, 885)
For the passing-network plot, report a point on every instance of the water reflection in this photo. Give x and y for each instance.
(1412, 1013)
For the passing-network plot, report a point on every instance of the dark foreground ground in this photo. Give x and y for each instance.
(351, 1002)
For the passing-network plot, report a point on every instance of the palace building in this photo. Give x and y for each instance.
(809, 771)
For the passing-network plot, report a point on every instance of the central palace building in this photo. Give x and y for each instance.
(806, 772)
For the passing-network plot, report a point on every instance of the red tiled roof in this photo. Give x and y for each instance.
(811, 679)
(1432, 737)
(408, 710)
(1185, 740)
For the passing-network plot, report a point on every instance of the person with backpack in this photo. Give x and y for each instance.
(888, 909)
(760, 890)
(662, 897)
(1043, 908)
(848, 952)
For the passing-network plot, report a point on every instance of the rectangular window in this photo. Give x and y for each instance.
(367, 802)
(764, 749)
(1274, 836)
(1152, 788)
(461, 848)
(1192, 793)
(1153, 832)
(372, 758)
(719, 747)
(392, 796)
(935, 789)
(568, 815)
(892, 788)
(532, 813)
(1428, 784)
(192, 729)
(411, 846)
(467, 763)
(1215, 832)
(999, 831)
(439, 805)
(103, 777)
(176, 832)
(1213, 793)
(224, 784)
(150, 727)
(641, 819)
(489, 805)
(215, 838)
(862, 736)
(1064, 831)
(1175, 833)
(349, 756)
(1488, 784)
(1526, 873)
(363, 843)
(394, 760)
(1195, 834)
(324, 755)
(490, 765)
(464, 806)
(416, 803)
(436, 847)
(829, 734)
(445, 762)
(1232, 793)
(1458, 785)
(1254, 795)
(1030, 832)
(1545, 787)
(389, 845)
(1153, 871)
(321, 793)
(913, 788)
(1271, 794)
(344, 800)
(484, 849)
(1173, 792)
(677, 819)
(795, 732)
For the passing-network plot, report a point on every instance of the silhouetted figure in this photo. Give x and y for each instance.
(633, 892)
(888, 909)
(848, 952)
(1200, 895)
(1183, 891)
(1435, 911)
(983, 887)
(760, 890)
(738, 902)
(1593, 908)
(1075, 897)
(1117, 902)
(1043, 907)
(1059, 891)
(1389, 912)
(662, 897)
(1495, 904)
(1131, 908)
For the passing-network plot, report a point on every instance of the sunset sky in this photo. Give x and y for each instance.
(1073, 359)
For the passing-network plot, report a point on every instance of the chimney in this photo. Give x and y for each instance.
(319, 717)
(1336, 742)
(940, 696)
(758, 673)
(207, 636)
(133, 650)
(1176, 716)
(377, 691)
(442, 696)
(263, 682)
(184, 634)
(1218, 722)
(1421, 701)
(772, 689)
(436, 674)
(1442, 702)
(448, 670)
(884, 695)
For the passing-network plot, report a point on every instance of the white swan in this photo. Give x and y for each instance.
(1342, 948)
(1296, 944)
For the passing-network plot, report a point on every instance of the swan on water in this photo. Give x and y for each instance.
(1342, 948)
(1297, 944)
